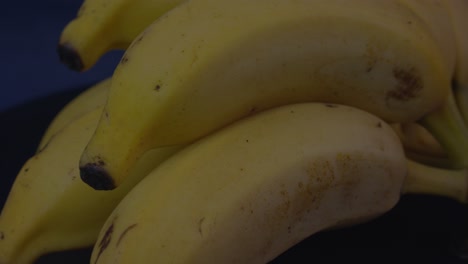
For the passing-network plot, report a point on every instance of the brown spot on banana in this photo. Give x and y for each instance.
(200, 226)
(409, 84)
(124, 59)
(106, 239)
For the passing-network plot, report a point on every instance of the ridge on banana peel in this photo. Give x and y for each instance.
(88, 100)
(49, 208)
(186, 76)
(102, 25)
(250, 191)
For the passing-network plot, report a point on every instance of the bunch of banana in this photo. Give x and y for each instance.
(250, 191)
(186, 76)
(232, 130)
(49, 208)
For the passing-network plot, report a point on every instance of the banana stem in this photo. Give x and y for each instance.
(447, 125)
(424, 179)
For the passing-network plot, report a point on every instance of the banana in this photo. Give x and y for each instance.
(207, 63)
(253, 189)
(49, 208)
(416, 138)
(421, 146)
(90, 99)
(103, 25)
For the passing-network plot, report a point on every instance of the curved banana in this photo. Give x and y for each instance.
(421, 146)
(90, 99)
(49, 208)
(416, 138)
(103, 25)
(253, 189)
(208, 63)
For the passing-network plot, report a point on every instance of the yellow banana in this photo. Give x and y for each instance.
(421, 146)
(255, 188)
(49, 208)
(416, 138)
(446, 20)
(103, 25)
(90, 99)
(208, 63)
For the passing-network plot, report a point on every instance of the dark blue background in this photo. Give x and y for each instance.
(30, 68)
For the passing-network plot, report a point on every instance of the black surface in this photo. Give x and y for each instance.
(420, 229)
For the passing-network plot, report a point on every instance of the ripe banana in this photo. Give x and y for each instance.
(49, 208)
(421, 146)
(207, 63)
(103, 25)
(90, 99)
(416, 138)
(251, 190)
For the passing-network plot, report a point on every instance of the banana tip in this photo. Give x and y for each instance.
(70, 57)
(96, 177)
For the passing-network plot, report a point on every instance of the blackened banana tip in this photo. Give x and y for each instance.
(96, 177)
(70, 57)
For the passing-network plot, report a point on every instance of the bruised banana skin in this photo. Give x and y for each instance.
(103, 25)
(186, 76)
(255, 188)
(49, 208)
(90, 99)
